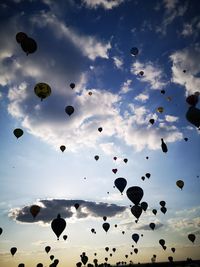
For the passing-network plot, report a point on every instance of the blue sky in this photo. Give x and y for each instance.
(88, 42)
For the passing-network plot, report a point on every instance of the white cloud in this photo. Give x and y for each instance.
(107, 4)
(152, 74)
(118, 62)
(126, 87)
(142, 97)
(170, 118)
(186, 59)
(110, 149)
(88, 45)
(187, 29)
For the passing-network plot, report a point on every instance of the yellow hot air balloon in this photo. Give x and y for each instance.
(180, 184)
(42, 90)
(160, 109)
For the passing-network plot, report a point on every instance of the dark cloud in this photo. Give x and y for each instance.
(51, 208)
(146, 227)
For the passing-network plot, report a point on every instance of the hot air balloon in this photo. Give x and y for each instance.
(29, 45)
(93, 230)
(18, 132)
(104, 218)
(125, 160)
(42, 90)
(114, 249)
(110, 254)
(96, 157)
(162, 242)
(192, 100)
(65, 237)
(191, 237)
(39, 265)
(100, 129)
(72, 85)
(69, 110)
(120, 183)
(51, 257)
(135, 238)
(152, 226)
(173, 250)
(162, 203)
(76, 205)
(162, 92)
(135, 194)
(143, 178)
(163, 146)
(163, 209)
(20, 37)
(141, 72)
(1, 230)
(160, 109)
(148, 175)
(193, 116)
(106, 226)
(136, 211)
(134, 51)
(47, 249)
(114, 171)
(13, 250)
(154, 211)
(106, 249)
(135, 250)
(144, 206)
(84, 259)
(123, 232)
(186, 139)
(90, 93)
(79, 264)
(180, 184)
(58, 226)
(62, 148)
(34, 210)
(21, 265)
(115, 158)
(152, 121)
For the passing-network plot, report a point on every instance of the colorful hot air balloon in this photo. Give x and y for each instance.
(18, 132)
(106, 226)
(58, 226)
(135, 237)
(191, 237)
(120, 183)
(42, 90)
(13, 250)
(135, 194)
(47, 249)
(62, 148)
(69, 110)
(34, 210)
(180, 184)
(160, 109)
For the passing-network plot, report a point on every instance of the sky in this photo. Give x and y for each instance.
(88, 43)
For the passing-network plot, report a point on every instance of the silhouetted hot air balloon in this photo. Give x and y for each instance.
(1, 230)
(62, 148)
(143, 178)
(42, 90)
(163, 209)
(180, 184)
(135, 250)
(144, 205)
(193, 116)
(162, 242)
(173, 250)
(65, 237)
(106, 249)
(141, 72)
(152, 226)
(96, 157)
(114, 171)
(192, 100)
(20, 36)
(29, 45)
(47, 249)
(84, 258)
(76, 205)
(136, 211)
(154, 211)
(93, 230)
(21, 265)
(135, 194)
(162, 203)
(152, 121)
(134, 51)
(18, 132)
(114, 249)
(34, 210)
(170, 258)
(191, 237)
(72, 85)
(13, 250)
(58, 226)
(104, 218)
(106, 226)
(39, 265)
(125, 160)
(69, 110)
(100, 129)
(162, 92)
(135, 238)
(120, 183)
(163, 146)
(51, 257)
(148, 175)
